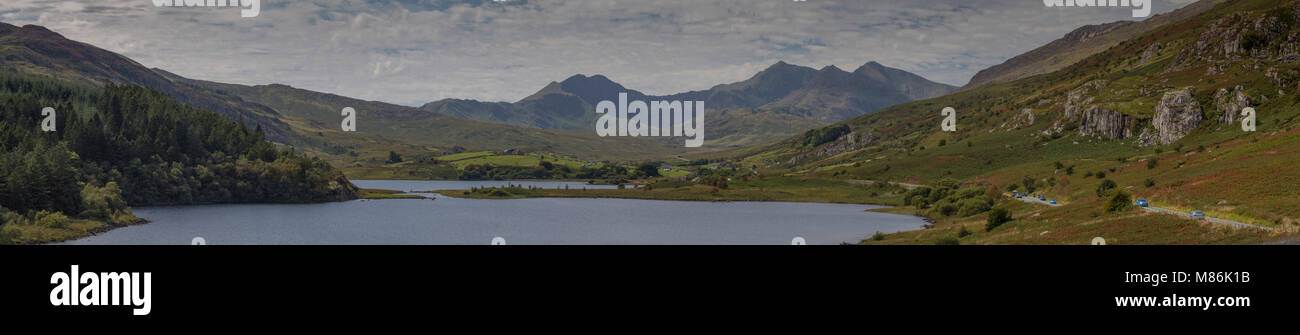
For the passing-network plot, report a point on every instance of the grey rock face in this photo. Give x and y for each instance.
(1177, 114)
(1097, 121)
(1230, 103)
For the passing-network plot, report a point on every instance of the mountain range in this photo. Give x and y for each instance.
(305, 119)
(775, 103)
(821, 96)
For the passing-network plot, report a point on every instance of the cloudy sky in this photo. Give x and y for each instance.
(415, 51)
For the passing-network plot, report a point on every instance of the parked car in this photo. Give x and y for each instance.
(1142, 202)
(1053, 201)
(1199, 215)
(1042, 198)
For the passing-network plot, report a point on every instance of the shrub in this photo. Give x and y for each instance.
(102, 202)
(1150, 182)
(1121, 201)
(1029, 184)
(947, 209)
(963, 232)
(971, 192)
(947, 240)
(997, 217)
(950, 183)
(51, 219)
(1151, 164)
(1106, 186)
(8, 234)
(973, 206)
(878, 236)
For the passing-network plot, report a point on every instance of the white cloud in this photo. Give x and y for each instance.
(411, 52)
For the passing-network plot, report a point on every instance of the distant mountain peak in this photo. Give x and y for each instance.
(580, 80)
(830, 68)
(780, 64)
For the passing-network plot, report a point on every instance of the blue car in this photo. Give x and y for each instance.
(1142, 202)
(1042, 198)
(1199, 215)
(1053, 201)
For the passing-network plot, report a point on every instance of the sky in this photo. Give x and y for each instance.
(415, 51)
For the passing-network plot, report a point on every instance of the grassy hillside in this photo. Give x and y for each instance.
(1104, 119)
(1079, 44)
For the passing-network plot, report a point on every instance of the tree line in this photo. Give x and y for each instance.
(130, 145)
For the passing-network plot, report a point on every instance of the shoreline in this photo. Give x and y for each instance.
(103, 228)
(686, 193)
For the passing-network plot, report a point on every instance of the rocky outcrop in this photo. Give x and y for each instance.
(1231, 102)
(1097, 121)
(1150, 53)
(1091, 120)
(1081, 97)
(1236, 37)
(1177, 114)
(1024, 119)
(847, 142)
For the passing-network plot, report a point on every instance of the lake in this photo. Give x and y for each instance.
(449, 220)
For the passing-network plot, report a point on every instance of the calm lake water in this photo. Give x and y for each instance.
(526, 221)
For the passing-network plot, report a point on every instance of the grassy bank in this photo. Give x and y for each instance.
(50, 231)
(770, 189)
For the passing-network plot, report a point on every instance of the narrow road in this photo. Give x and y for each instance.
(1035, 200)
(1215, 220)
(869, 182)
(1184, 215)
